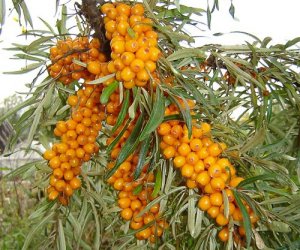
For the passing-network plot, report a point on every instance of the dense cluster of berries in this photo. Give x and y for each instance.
(63, 54)
(77, 142)
(131, 201)
(133, 43)
(199, 159)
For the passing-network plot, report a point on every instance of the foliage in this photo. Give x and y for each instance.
(250, 95)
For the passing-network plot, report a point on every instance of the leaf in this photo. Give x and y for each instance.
(254, 141)
(21, 105)
(208, 14)
(26, 13)
(37, 228)
(232, 10)
(116, 140)
(292, 42)
(142, 157)
(26, 69)
(106, 93)
(246, 218)
(28, 57)
(158, 183)
(98, 80)
(186, 53)
(61, 236)
(61, 24)
(2, 13)
(251, 180)
(48, 26)
(129, 146)
(123, 112)
(156, 116)
(137, 189)
(23, 169)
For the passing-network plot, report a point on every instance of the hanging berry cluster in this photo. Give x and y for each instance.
(64, 54)
(199, 159)
(133, 43)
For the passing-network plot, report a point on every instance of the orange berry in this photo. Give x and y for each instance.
(127, 74)
(136, 205)
(204, 203)
(191, 183)
(192, 158)
(136, 225)
(203, 178)
(137, 65)
(214, 170)
(216, 199)
(54, 162)
(213, 211)
(68, 190)
(199, 166)
(224, 234)
(94, 67)
(209, 161)
(154, 53)
(119, 184)
(184, 149)
(217, 183)
(187, 170)
(221, 220)
(53, 195)
(206, 128)
(60, 185)
(49, 154)
(126, 213)
(58, 173)
(124, 202)
(169, 152)
(203, 153)
(179, 161)
(214, 149)
(235, 181)
(68, 175)
(137, 9)
(196, 144)
(75, 183)
(176, 131)
(164, 128)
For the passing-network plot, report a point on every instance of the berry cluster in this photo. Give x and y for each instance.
(131, 201)
(77, 142)
(62, 58)
(133, 43)
(199, 160)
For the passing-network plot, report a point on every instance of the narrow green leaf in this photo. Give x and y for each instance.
(2, 13)
(208, 15)
(186, 53)
(142, 157)
(157, 185)
(123, 111)
(26, 69)
(137, 189)
(131, 32)
(12, 111)
(251, 180)
(156, 116)
(37, 228)
(23, 169)
(48, 26)
(61, 236)
(117, 139)
(232, 10)
(246, 218)
(292, 42)
(129, 146)
(106, 93)
(26, 13)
